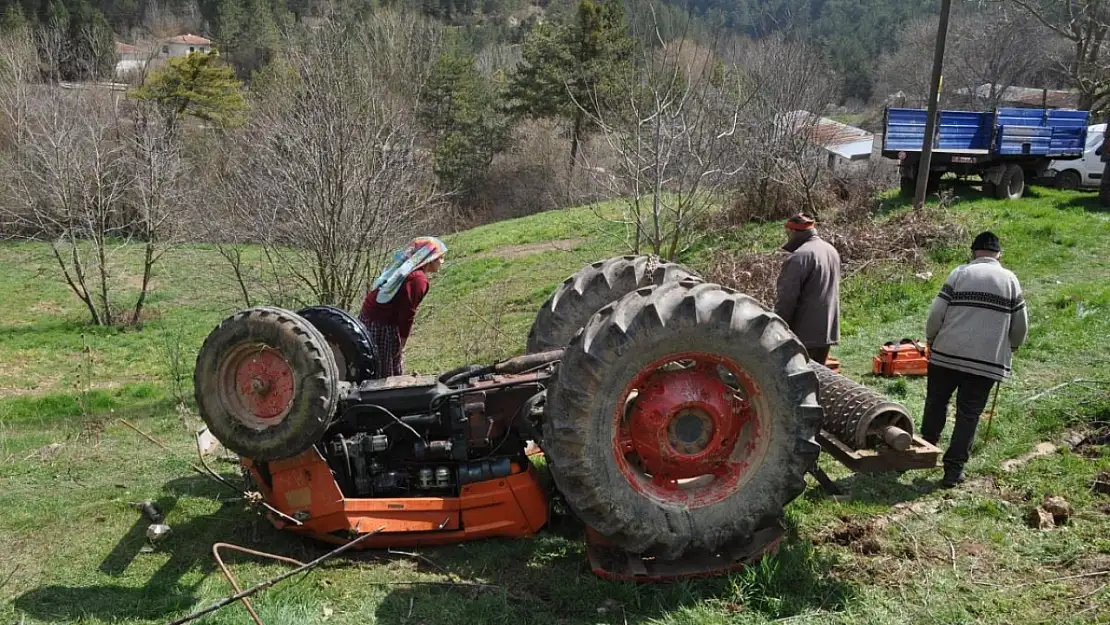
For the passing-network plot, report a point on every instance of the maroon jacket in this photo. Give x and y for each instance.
(401, 310)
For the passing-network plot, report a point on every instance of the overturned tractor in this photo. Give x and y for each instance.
(678, 419)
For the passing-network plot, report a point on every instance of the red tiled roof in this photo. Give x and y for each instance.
(123, 48)
(190, 39)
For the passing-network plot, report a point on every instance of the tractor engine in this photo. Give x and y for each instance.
(413, 436)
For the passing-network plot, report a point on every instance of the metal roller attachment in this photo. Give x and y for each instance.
(860, 417)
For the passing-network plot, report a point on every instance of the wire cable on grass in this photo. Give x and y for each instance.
(209, 473)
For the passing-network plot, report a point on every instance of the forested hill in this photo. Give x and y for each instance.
(852, 33)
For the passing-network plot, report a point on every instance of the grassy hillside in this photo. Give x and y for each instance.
(74, 549)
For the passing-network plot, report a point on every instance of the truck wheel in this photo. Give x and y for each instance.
(266, 383)
(594, 286)
(1013, 183)
(1069, 179)
(349, 342)
(932, 185)
(683, 417)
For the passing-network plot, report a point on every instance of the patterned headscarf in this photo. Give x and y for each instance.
(419, 252)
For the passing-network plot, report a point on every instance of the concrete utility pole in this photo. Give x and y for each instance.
(934, 98)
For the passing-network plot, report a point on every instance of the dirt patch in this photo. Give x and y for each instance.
(975, 550)
(48, 308)
(136, 282)
(1092, 444)
(861, 535)
(1075, 439)
(1101, 484)
(528, 249)
(1041, 450)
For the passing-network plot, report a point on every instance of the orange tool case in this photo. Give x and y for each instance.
(907, 357)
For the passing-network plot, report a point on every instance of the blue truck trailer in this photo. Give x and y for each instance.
(1006, 146)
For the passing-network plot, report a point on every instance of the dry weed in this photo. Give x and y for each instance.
(752, 273)
(861, 240)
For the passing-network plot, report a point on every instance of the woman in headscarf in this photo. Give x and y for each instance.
(390, 307)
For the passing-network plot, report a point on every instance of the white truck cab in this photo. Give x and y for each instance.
(1082, 172)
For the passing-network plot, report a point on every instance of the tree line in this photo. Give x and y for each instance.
(865, 43)
(359, 130)
(359, 133)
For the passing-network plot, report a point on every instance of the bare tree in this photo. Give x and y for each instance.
(785, 161)
(1085, 24)
(79, 175)
(1017, 53)
(903, 75)
(66, 181)
(158, 192)
(328, 174)
(675, 133)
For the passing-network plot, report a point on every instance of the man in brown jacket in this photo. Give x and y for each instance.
(809, 288)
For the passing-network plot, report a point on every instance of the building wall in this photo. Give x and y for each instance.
(125, 68)
(182, 49)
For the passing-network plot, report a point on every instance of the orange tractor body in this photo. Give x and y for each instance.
(303, 487)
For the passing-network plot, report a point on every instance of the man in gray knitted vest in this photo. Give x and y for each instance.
(975, 324)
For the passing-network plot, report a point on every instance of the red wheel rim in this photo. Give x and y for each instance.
(257, 385)
(688, 429)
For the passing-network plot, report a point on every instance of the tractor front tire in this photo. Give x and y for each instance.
(683, 417)
(590, 289)
(350, 344)
(266, 383)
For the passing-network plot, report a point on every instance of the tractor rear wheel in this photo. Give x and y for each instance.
(266, 383)
(683, 417)
(594, 286)
(349, 342)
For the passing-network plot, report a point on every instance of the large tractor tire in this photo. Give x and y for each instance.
(350, 344)
(683, 418)
(595, 286)
(266, 383)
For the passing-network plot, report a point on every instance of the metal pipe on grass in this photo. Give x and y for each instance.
(273, 580)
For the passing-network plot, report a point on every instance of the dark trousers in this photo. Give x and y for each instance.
(818, 354)
(972, 392)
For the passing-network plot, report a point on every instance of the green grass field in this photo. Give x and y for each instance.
(894, 550)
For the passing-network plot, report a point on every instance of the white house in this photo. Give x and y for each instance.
(183, 45)
(131, 59)
(842, 143)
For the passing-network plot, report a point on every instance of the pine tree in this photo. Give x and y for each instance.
(13, 20)
(198, 85)
(569, 67)
(460, 110)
